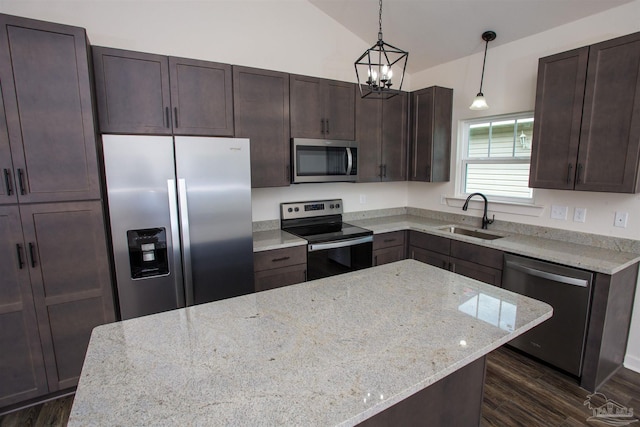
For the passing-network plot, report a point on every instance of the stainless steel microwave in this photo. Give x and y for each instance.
(322, 160)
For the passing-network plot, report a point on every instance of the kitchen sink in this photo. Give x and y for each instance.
(485, 235)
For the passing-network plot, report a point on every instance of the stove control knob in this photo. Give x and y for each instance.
(331, 206)
(337, 205)
(290, 210)
(297, 209)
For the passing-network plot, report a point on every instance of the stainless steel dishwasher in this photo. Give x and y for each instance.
(560, 340)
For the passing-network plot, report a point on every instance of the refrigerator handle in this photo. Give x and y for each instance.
(175, 241)
(186, 241)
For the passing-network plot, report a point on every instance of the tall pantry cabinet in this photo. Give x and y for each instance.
(55, 279)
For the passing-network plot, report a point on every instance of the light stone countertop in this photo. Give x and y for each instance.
(275, 239)
(307, 354)
(587, 257)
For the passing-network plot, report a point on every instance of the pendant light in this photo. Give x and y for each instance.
(383, 65)
(479, 103)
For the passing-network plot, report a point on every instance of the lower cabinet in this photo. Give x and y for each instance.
(56, 288)
(389, 247)
(467, 259)
(280, 267)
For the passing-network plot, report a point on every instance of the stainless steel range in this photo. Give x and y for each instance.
(334, 247)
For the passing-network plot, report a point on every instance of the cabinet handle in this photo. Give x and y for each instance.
(284, 258)
(375, 260)
(305, 275)
(23, 189)
(322, 126)
(380, 174)
(579, 173)
(7, 182)
(429, 172)
(569, 173)
(389, 240)
(287, 174)
(20, 260)
(166, 113)
(32, 255)
(175, 115)
(384, 168)
(327, 125)
(452, 267)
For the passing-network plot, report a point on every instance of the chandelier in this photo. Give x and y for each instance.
(378, 64)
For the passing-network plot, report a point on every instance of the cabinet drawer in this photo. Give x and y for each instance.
(278, 277)
(477, 254)
(387, 240)
(429, 257)
(492, 276)
(429, 242)
(278, 258)
(387, 255)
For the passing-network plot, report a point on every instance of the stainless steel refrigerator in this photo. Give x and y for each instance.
(180, 216)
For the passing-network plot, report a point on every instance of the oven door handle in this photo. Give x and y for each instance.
(313, 247)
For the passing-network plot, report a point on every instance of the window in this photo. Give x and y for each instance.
(496, 155)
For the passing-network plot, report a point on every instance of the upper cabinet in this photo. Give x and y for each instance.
(321, 108)
(431, 119)
(48, 114)
(261, 112)
(587, 119)
(142, 93)
(382, 135)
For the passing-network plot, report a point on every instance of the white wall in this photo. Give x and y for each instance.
(509, 86)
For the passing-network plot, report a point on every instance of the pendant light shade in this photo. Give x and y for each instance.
(383, 65)
(479, 102)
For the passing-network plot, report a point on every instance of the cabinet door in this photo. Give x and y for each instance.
(47, 99)
(132, 91)
(22, 374)
(610, 135)
(431, 134)
(492, 276)
(369, 138)
(68, 264)
(477, 254)
(261, 111)
(429, 257)
(340, 118)
(7, 186)
(307, 107)
(201, 97)
(394, 137)
(388, 255)
(558, 113)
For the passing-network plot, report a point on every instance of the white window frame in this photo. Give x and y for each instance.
(463, 161)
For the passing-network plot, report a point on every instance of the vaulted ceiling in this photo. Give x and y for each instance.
(439, 31)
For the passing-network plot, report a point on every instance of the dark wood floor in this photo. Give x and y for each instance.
(518, 392)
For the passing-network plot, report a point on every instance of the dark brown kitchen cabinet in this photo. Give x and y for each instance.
(280, 267)
(261, 112)
(389, 247)
(587, 119)
(46, 94)
(467, 259)
(431, 121)
(143, 93)
(22, 372)
(382, 135)
(66, 255)
(322, 108)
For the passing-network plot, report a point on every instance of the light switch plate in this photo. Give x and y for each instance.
(559, 212)
(580, 214)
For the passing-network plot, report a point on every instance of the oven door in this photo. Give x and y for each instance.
(337, 257)
(324, 161)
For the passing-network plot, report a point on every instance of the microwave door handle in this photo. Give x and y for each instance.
(349, 161)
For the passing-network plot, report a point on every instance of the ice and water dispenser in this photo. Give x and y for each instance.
(148, 252)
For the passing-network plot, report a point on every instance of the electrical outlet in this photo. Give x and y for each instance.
(559, 212)
(621, 219)
(580, 214)
(363, 199)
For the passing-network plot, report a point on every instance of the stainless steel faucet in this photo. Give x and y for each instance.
(485, 221)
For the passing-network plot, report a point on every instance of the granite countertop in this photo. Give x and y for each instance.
(583, 256)
(307, 354)
(275, 239)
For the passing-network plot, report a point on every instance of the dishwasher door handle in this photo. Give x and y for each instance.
(340, 244)
(547, 275)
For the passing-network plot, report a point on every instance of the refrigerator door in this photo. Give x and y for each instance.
(141, 190)
(214, 192)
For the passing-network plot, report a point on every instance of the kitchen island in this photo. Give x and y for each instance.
(335, 351)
